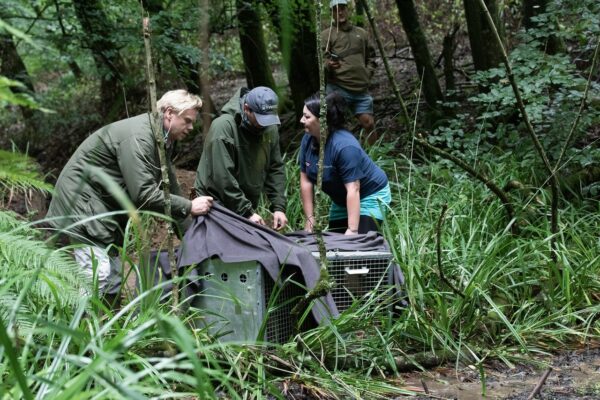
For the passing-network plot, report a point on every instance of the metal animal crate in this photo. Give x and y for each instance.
(235, 298)
(358, 273)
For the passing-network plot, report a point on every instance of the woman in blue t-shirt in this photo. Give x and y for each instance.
(358, 188)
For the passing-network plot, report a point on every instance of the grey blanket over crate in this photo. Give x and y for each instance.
(233, 238)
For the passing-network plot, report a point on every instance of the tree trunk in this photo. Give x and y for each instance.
(63, 42)
(533, 8)
(360, 14)
(295, 28)
(188, 70)
(418, 44)
(13, 67)
(109, 63)
(485, 50)
(448, 47)
(254, 50)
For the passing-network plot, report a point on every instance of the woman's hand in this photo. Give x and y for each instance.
(309, 224)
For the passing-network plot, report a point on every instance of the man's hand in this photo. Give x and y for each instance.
(257, 219)
(279, 220)
(331, 64)
(201, 205)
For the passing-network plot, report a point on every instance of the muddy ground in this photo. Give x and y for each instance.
(575, 374)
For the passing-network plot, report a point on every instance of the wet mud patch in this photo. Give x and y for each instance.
(575, 375)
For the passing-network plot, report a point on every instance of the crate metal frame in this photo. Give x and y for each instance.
(235, 297)
(357, 274)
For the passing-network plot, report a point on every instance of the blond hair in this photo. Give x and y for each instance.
(179, 100)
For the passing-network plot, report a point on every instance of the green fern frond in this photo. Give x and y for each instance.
(8, 301)
(18, 171)
(11, 222)
(58, 272)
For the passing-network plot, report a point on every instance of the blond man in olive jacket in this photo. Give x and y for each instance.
(124, 154)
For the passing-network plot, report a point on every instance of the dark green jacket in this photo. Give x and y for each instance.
(125, 151)
(236, 166)
(357, 56)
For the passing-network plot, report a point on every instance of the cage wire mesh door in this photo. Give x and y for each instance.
(241, 302)
(358, 274)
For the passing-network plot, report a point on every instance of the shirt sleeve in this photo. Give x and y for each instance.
(220, 155)
(275, 182)
(302, 154)
(370, 55)
(348, 162)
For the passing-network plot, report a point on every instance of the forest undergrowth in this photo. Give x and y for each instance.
(500, 266)
(475, 292)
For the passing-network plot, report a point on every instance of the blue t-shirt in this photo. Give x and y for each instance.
(345, 161)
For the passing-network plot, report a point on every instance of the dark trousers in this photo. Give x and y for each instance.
(365, 224)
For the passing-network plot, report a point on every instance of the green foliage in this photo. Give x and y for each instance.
(552, 87)
(19, 172)
(513, 294)
(575, 21)
(52, 281)
(7, 96)
(57, 341)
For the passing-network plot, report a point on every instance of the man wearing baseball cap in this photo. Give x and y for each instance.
(350, 64)
(241, 157)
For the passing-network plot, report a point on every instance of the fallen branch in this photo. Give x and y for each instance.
(538, 387)
(421, 360)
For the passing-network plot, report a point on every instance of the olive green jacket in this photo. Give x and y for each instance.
(125, 152)
(236, 166)
(357, 57)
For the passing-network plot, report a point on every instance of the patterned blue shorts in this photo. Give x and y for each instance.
(358, 102)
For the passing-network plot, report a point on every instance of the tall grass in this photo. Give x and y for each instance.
(58, 342)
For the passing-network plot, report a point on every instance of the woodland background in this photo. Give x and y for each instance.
(493, 162)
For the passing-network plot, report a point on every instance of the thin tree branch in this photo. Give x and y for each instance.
(438, 237)
(538, 387)
(162, 156)
(324, 284)
(530, 130)
(510, 213)
(580, 112)
(384, 57)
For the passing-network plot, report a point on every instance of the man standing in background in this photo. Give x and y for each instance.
(349, 65)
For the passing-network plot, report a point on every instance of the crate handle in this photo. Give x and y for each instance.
(356, 271)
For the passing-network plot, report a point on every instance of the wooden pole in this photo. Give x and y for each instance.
(156, 123)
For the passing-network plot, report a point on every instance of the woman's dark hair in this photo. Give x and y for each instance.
(336, 109)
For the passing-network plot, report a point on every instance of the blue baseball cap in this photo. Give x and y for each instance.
(263, 102)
